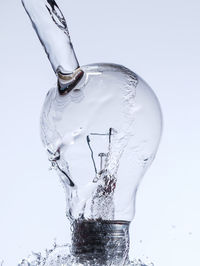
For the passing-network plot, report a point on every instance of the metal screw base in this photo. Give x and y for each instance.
(100, 242)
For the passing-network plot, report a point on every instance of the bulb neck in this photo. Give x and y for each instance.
(99, 241)
(68, 81)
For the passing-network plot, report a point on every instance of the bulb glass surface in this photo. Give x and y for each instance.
(101, 137)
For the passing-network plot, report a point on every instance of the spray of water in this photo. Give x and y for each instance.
(60, 255)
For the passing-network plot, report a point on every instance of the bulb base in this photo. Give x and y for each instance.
(100, 242)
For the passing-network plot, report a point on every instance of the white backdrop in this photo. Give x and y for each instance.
(160, 41)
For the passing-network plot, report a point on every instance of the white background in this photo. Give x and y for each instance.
(160, 41)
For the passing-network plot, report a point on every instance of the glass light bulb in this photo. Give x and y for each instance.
(101, 136)
(101, 127)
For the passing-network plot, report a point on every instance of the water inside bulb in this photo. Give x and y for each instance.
(60, 255)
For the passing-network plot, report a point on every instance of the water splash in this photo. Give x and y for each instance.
(60, 255)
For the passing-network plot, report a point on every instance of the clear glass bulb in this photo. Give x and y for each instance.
(101, 136)
(101, 126)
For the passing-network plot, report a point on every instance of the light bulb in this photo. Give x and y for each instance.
(101, 137)
(101, 126)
